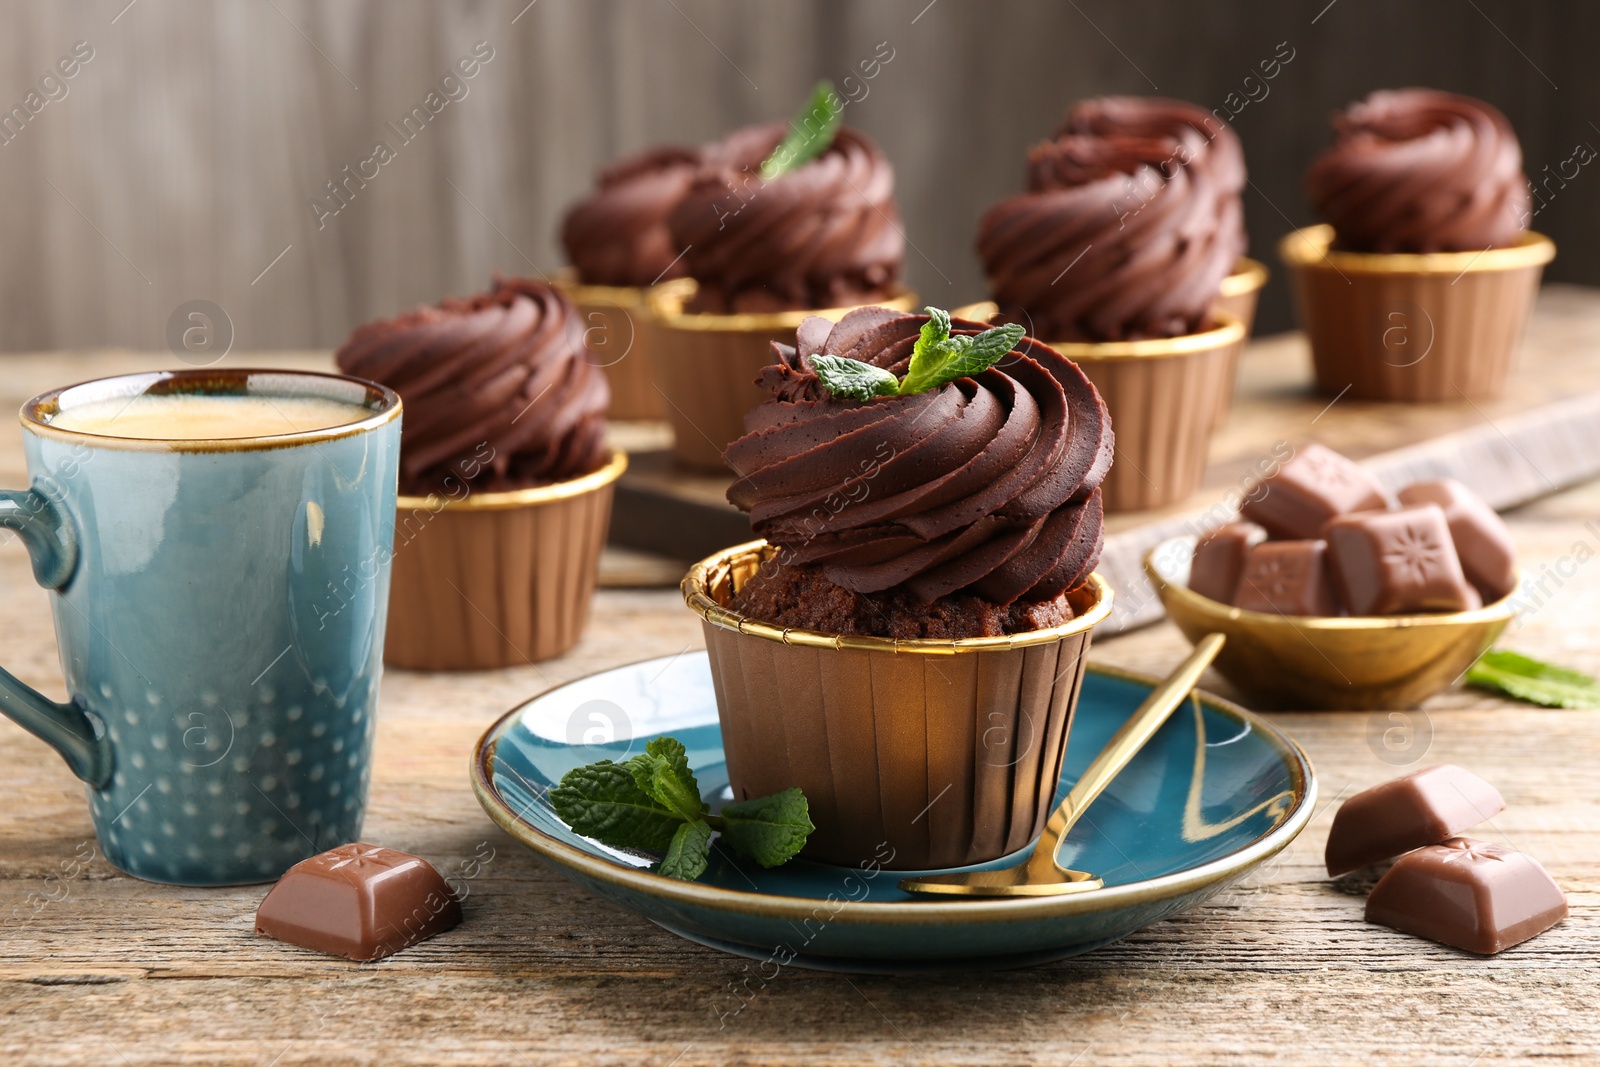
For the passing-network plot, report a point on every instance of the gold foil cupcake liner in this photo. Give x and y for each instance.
(614, 327)
(1426, 328)
(497, 579)
(706, 366)
(1239, 297)
(1166, 397)
(937, 753)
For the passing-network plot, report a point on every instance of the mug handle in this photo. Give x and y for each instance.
(53, 549)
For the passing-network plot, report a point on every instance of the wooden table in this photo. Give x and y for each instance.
(97, 968)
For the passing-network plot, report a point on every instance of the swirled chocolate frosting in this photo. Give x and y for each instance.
(1152, 116)
(497, 388)
(1417, 170)
(986, 485)
(618, 235)
(1122, 234)
(825, 235)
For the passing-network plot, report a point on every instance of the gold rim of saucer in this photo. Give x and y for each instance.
(519, 498)
(1091, 604)
(665, 302)
(1500, 609)
(1311, 247)
(626, 297)
(1228, 330)
(382, 405)
(1248, 276)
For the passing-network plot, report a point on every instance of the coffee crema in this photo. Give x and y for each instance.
(199, 417)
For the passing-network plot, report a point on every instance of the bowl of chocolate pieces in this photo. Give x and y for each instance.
(1334, 594)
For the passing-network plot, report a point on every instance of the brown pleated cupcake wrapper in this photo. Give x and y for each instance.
(706, 366)
(1241, 293)
(613, 323)
(1166, 397)
(947, 758)
(497, 579)
(1418, 328)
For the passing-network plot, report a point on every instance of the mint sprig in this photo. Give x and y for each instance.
(936, 358)
(1527, 679)
(652, 803)
(810, 134)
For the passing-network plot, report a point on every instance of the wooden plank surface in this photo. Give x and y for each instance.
(97, 968)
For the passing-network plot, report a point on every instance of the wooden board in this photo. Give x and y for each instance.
(1543, 436)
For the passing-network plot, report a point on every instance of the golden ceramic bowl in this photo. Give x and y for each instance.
(1335, 664)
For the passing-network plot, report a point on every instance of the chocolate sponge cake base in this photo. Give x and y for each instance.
(801, 598)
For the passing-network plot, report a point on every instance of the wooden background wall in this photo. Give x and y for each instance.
(181, 162)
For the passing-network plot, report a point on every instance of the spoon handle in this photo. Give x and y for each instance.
(1163, 700)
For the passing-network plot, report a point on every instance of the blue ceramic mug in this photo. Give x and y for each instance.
(219, 606)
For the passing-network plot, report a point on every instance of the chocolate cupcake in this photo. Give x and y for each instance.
(915, 622)
(618, 243)
(505, 479)
(825, 235)
(1116, 253)
(1419, 285)
(1148, 116)
(782, 222)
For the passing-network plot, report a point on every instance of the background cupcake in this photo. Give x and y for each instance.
(900, 529)
(782, 221)
(618, 244)
(1116, 253)
(1420, 284)
(505, 479)
(1150, 116)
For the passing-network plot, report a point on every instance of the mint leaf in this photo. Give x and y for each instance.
(938, 358)
(604, 802)
(662, 771)
(686, 855)
(769, 830)
(928, 352)
(810, 133)
(853, 379)
(652, 803)
(1525, 678)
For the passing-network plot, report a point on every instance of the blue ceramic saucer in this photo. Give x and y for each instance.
(1215, 793)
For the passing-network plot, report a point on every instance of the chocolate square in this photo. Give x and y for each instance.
(1288, 578)
(360, 901)
(1483, 543)
(1394, 562)
(1422, 808)
(1219, 560)
(1309, 488)
(1470, 894)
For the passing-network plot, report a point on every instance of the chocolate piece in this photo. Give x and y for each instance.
(1311, 487)
(1470, 894)
(1488, 558)
(1219, 560)
(1422, 808)
(363, 902)
(1393, 562)
(1287, 577)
